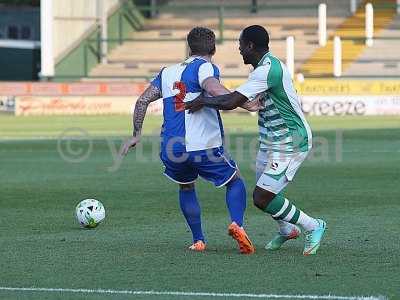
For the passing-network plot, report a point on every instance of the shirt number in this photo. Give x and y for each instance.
(178, 99)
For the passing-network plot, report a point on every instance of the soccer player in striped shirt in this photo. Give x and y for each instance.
(285, 137)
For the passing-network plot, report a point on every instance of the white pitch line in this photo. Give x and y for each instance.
(191, 294)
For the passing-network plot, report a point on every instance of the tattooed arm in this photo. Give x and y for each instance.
(151, 94)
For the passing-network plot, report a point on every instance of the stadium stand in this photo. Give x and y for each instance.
(352, 32)
(282, 18)
(382, 59)
(161, 41)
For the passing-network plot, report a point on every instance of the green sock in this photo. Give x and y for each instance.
(280, 208)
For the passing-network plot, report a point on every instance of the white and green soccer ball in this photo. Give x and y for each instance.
(90, 213)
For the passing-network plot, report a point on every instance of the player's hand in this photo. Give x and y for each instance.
(129, 143)
(194, 105)
(254, 105)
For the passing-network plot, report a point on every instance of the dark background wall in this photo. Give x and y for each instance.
(20, 22)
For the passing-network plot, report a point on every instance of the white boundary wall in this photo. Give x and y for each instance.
(73, 18)
(352, 105)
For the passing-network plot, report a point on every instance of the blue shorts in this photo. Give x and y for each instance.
(211, 164)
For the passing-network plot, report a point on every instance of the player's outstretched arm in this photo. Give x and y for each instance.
(223, 102)
(214, 88)
(151, 94)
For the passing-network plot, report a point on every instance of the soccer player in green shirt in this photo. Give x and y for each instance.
(285, 137)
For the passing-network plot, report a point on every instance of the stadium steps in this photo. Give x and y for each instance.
(125, 62)
(380, 59)
(352, 32)
(137, 58)
(145, 58)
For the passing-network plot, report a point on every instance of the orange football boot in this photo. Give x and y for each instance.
(238, 233)
(199, 246)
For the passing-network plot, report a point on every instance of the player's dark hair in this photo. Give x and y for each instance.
(258, 35)
(201, 41)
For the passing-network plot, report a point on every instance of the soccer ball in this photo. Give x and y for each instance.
(90, 213)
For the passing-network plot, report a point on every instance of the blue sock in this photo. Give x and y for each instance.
(191, 210)
(236, 200)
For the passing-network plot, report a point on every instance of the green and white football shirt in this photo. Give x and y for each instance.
(282, 125)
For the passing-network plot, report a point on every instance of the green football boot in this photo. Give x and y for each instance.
(313, 238)
(277, 242)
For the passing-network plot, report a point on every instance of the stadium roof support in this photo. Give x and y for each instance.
(337, 56)
(353, 6)
(46, 37)
(369, 24)
(322, 25)
(290, 55)
(102, 16)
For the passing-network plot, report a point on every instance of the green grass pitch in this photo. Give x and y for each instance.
(351, 180)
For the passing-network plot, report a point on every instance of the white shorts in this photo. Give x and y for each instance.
(275, 170)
